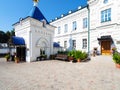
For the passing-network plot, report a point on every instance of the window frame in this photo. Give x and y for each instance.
(85, 22)
(65, 28)
(73, 44)
(59, 29)
(74, 25)
(84, 43)
(105, 1)
(106, 15)
(65, 44)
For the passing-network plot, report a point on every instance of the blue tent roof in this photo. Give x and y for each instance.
(36, 14)
(18, 40)
(56, 44)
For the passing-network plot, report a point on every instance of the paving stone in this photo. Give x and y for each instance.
(98, 74)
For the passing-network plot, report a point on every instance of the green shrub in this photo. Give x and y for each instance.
(7, 56)
(78, 54)
(116, 58)
(84, 55)
(71, 53)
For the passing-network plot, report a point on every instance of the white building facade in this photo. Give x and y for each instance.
(102, 21)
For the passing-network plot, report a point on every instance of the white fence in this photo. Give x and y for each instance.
(4, 50)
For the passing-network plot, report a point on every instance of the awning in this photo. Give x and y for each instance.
(56, 45)
(108, 37)
(18, 40)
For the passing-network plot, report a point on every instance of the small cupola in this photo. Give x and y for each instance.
(36, 13)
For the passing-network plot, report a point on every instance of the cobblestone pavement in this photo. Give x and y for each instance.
(98, 74)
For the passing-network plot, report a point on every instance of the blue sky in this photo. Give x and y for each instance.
(12, 10)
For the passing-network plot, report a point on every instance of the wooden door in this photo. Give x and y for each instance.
(106, 47)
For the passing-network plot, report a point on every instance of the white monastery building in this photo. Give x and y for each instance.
(95, 26)
(34, 36)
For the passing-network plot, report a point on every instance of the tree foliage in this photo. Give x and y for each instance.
(6, 36)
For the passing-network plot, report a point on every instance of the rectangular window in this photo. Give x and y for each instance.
(84, 41)
(65, 28)
(59, 28)
(105, 1)
(74, 25)
(58, 42)
(65, 44)
(74, 44)
(85, 22)
(106, 15)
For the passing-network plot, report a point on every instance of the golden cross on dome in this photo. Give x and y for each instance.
(36, 1)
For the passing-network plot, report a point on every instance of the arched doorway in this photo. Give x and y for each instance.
(44, 46)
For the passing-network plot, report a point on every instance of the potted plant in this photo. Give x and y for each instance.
(116, 59)
(71, 55)
(7, 57)
(78, 55)
(114, 50)
(83, 55)
(17, 60)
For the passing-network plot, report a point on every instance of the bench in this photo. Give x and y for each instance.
(61, 57)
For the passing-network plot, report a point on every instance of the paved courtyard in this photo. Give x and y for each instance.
(98, 74)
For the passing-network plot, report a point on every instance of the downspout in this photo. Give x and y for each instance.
(88, 30)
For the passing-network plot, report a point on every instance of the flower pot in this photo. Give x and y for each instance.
(17, 60)
(78, 60)
(7, 59)
(118, 65)
(70, 58)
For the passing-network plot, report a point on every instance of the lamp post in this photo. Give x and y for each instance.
(88, 30)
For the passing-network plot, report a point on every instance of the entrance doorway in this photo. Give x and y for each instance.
(21, 53)
(106, 47)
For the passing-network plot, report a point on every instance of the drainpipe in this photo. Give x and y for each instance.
(88, 30)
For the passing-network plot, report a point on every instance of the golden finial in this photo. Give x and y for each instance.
(36, 1)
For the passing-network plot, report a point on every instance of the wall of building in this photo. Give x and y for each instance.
(71, 34)
(41, 35)
(35, 34)
(97, 28)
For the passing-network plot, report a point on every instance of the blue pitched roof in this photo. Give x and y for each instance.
(36, 14)
(18, 40)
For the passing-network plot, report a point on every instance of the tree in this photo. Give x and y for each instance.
(10, 34)
(3, 37)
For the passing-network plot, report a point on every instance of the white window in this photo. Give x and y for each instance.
(74, 44)
(84, 41)
(59, 28)
(105, 1)
(65, 44)
(106, 15)
(74, 25)
(65, 28)
(58, 42)
(85, 22)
